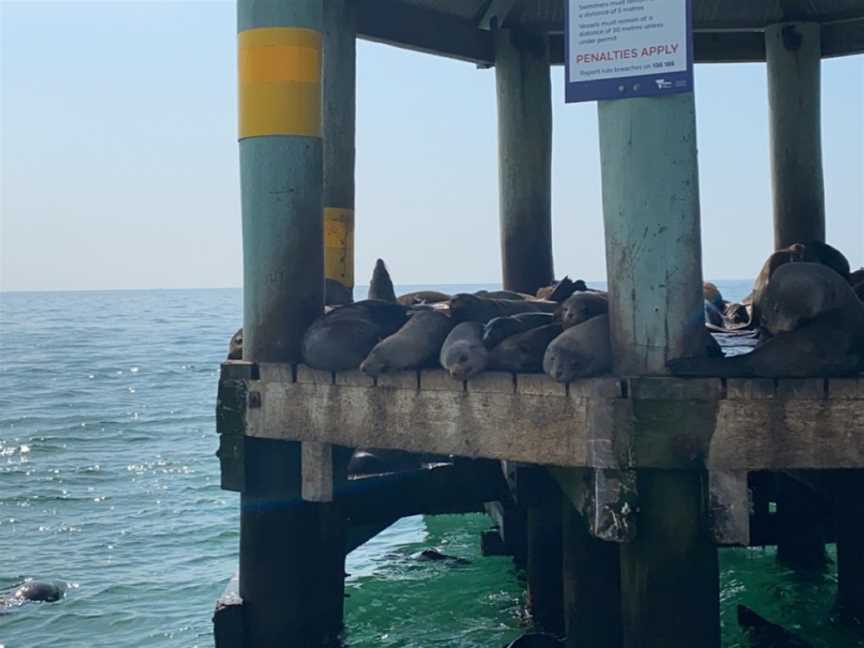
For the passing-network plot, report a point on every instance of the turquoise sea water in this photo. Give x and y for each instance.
(108, 483)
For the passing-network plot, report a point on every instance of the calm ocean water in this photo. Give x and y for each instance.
(108, 483)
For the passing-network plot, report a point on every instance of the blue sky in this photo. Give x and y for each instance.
(119, 157)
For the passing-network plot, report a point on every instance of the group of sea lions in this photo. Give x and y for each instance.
(564, 330)
(807, 308)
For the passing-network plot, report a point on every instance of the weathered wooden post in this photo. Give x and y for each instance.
(340, 83)
(522, 80)
(669, 573)
(794, 58)
(849, 515)
(283, 540)
(794, 55)
(524, 159)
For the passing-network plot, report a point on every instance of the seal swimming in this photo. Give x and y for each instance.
(463, 354)
(36, 591)
(413, 346)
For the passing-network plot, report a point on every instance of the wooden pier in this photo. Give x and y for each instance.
(622, 487)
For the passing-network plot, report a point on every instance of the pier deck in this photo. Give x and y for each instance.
(718, 424)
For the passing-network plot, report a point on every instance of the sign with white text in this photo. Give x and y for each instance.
(618, 49)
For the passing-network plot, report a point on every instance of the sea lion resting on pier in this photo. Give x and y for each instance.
(343, 338)
(470, 308)
(580, 351)
(817, 326)
(523, 353)
(463, 354)
(415, 345)
(423, 297)
(500, 328)
(582, 306)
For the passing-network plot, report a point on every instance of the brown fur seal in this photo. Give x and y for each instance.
(582, 306)
(502, 294)
(415, 345)
(235, 346)
(817, 324)
(470, 308)
(561, 290)
(500, 328)
(523, 353)
(36, 591)
(381, 286)
(342, 338)
(423, 297)
(463, 353)
(580, 351)
(812, 252)
(712, 294)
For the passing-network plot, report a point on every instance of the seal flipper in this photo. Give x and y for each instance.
(381, 286)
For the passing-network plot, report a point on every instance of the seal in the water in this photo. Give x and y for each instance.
(470, 308)
(381, 286)
(235, 346)
(415, 345)
(37, 591)
(580, 351)
(433, 555)
(375, 461)
(500, 328)
(342, 338)
(817, 324)
(463, 353)
(582, 306)
(423, 297)
(523, 353)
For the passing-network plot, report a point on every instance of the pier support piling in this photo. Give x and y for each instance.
(849, 515)
(669, 573)
(524, 159)
(290, 550)
(794, 57)
(592, 590)
(339, 124)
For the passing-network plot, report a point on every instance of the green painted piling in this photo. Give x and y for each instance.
(669, 574)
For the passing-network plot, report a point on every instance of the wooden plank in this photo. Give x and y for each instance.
(843, 38)
(424, 30)
(472, 425)
(674, 389)
(405, 380)
(606, 499)
(539, 385)
(846, 388)
(750, 389)
(440, 380)
(493, 382)
(309, 376)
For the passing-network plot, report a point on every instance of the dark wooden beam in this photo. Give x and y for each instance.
(423, 30)
(496, 13)
(843, 38)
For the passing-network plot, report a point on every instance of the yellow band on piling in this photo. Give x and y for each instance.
(339, 245)
(279, 70)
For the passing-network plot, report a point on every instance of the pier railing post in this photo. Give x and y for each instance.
(287, 546)
(669, 572)
(794, 57)
(524, 159)
(339, 120)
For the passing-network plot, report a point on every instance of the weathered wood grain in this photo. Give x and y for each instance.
(729, 501)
